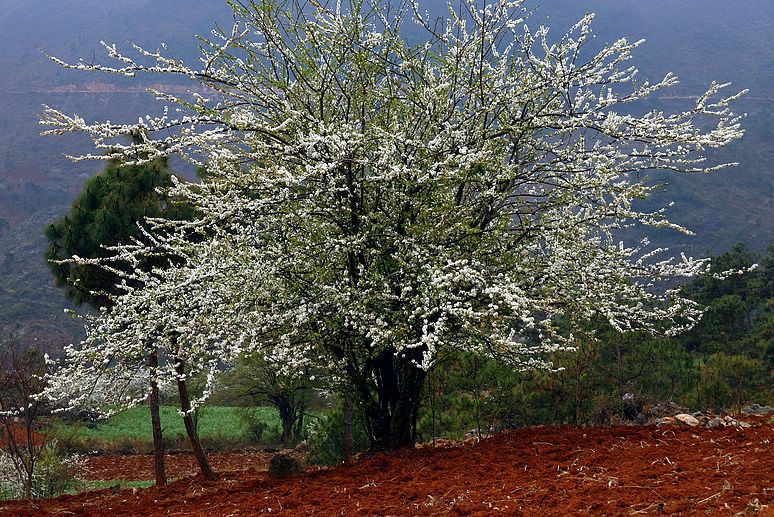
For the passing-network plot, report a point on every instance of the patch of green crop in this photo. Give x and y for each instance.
(214, 423)
(100, 484)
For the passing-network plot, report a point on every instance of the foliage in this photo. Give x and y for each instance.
(466, 393)
(105, 214)
(55, 474)
(11, 487)
(257, 427)
(326, 436)
(254, 381)
(729, 381)
(22, 378)
(616, 378)
(370, 203)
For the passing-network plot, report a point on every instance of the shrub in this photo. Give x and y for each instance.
(729, 381)
(610, 409)
(257, 429)
(55, 473)
(325, 435)
(11, 486)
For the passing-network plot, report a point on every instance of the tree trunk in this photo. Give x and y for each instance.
(349, 439)
(190, 428)
(158, 442)
(31, 455)
(391, 411)
(288, 419)
(298, 427)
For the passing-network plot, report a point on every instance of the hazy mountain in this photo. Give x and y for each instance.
(699, 40)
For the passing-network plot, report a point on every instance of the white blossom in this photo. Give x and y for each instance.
(363, 194)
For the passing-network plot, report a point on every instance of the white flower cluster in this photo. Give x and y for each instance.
(365, 195)
(11, 483)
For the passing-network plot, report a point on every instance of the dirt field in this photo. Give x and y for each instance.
(535, 471)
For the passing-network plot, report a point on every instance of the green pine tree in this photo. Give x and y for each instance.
(107, 213)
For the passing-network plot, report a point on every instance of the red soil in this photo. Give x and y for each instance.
(535, 471)
(177, 465)
(19, 433)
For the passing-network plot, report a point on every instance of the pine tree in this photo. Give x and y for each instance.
(107, 213)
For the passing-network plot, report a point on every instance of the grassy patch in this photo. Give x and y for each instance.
(109, 483)
(130, 431)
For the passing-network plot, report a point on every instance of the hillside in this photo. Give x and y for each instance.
(700, 41)
(532, 471)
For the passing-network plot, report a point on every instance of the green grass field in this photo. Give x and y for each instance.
(132, 428)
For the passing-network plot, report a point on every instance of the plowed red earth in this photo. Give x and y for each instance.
(19, 433)
(177, 465)
(536, 471)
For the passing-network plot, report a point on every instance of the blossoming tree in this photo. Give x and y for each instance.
(369, 202)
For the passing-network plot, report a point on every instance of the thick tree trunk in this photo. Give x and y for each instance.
(287, 418)
(391, 411)
(190, 428)
(155, 404)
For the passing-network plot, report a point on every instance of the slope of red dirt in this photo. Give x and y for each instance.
(19, 433)
(533, 471)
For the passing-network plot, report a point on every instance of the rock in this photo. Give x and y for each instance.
(665, 421)
(757, 409)
(284, 465)
(687, 419)
(715, 422)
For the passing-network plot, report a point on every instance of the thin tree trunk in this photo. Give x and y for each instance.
(190, 428)
(31, 456)
(158, 441)
(349, 441)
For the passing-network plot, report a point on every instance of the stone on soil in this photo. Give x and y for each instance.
(284, 465)
(687, 419)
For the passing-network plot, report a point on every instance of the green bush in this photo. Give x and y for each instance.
(730, 381)
(258, 429)
(55, 473)
(325, 436)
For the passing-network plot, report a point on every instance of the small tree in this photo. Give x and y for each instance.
(370, 202)
(108, 213)
(22, 373)
(254, 380)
